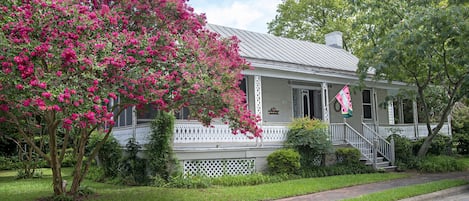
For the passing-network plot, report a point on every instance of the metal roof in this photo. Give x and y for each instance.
(268, 47)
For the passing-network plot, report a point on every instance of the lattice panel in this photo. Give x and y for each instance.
(216, 168)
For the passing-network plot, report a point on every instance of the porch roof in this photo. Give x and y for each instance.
(268, 47)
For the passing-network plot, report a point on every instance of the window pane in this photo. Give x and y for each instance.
(242, 85)
(367, 111)
(366, 95)
(128, 116)
(146, 112)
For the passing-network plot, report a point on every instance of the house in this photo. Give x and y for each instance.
(292, 78)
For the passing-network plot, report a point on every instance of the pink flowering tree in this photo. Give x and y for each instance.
(64, 63)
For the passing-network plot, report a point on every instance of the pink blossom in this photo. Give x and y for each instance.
(42, 85)
(56, 108)
(19, 87)
(4, 107)
(59, 73)
(26, 102)
(46, 95)
(112, 95)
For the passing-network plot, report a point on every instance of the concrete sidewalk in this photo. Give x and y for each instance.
(355, 191)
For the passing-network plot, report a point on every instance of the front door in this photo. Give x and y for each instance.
(307, 103)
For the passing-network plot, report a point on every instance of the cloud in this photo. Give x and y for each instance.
(251, 15)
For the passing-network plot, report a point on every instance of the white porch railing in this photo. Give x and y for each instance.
(341, 133)
(384, 147)
(197, 133)
(408, 130)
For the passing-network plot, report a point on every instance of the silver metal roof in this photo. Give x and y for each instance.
(268, 47)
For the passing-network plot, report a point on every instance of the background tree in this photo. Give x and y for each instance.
(310, 20)
(421, 43)
(427, 48)
(67, 62)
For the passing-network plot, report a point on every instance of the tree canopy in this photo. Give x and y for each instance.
(422, 43)
(64, 64)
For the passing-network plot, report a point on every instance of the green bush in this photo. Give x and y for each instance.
(441, 145)
(402, 148)
(250, 179)
(96, 173)
(284, 161)
(161, 160)
(432, 164)
(309, 137)
(462, 143)
(69, 160)
(181, 181)
(347, 155)
(338, 169)
(109, 155)
(460, 127)
(9, 163)
(132, 169)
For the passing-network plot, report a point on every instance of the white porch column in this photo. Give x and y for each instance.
(258, 101)
(401, 111)
(375, 110)
(391, 112)
(416, 118)
(325, 102)
(134, 122)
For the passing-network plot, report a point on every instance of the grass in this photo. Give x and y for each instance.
(410, 191)
(31, 189)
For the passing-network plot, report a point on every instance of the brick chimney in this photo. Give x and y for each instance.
(334, 39)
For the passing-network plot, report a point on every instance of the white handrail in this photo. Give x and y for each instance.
(354, 138)
(385, 148)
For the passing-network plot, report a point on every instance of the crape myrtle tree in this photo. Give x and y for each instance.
(64, 64)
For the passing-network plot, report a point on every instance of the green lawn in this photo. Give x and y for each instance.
(410, 191)
(31, 189)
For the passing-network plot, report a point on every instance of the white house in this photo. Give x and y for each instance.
(292, 78)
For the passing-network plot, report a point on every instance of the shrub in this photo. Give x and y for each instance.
(309, 137)
(250, 179)
(181, 181)
(9, 163)
(460, 127)
(109, 155)
(284, 161)
(441, 145)
(402, 148)
(348, 155)
(338, 169)
(434, 164)
(96, 173)
(132, 168)
(161, 160)
(462, 143)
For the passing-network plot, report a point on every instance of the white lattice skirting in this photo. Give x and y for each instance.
(219, 167)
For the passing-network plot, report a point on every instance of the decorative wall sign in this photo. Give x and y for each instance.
(273, 111)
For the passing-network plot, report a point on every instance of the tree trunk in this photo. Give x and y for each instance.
(78, 173)
(55, 164)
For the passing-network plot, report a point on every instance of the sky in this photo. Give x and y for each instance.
(251, 15)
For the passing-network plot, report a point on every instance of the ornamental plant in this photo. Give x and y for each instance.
(64, 63)
(309, 137)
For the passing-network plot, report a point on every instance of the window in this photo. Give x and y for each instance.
(125, 117)
(146, 113)
(366, 97)
(243, 85)
(182, 113)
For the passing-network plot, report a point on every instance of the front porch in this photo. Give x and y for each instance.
(215, 150)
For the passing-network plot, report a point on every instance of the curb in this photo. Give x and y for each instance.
(439, 194)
